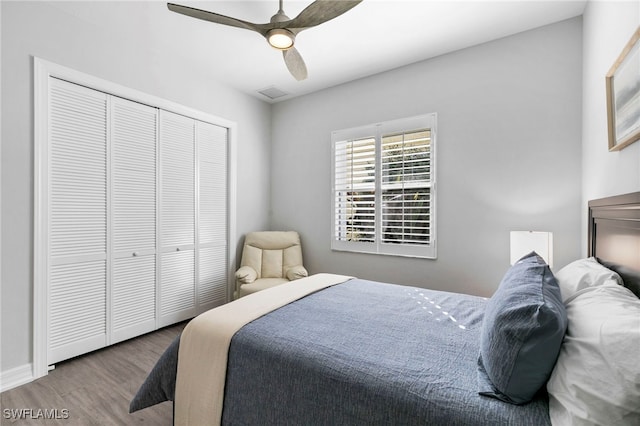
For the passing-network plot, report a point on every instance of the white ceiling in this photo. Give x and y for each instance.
(375, 36)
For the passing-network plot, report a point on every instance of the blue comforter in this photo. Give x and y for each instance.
(366, 353)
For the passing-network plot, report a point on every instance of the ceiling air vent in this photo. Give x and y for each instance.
(272, 92)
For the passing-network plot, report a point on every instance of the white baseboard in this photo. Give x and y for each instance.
(15, 377)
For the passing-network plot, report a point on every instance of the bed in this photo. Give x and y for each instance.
(352, 351)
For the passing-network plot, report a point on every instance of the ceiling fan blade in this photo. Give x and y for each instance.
(320, 11)
(214, 17)
(295, 63)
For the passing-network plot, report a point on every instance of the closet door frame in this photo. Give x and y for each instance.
(43, 71)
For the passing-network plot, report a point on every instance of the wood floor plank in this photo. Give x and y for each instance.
(95, 389)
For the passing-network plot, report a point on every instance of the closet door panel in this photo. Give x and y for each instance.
(134, 297)
(77, 309)
(133, 207)
(177, 292)
(212, 157)
(78, 170)
(177, 166)
(77, 272)
(211, 141)
(177, 218)
(212, 283)
(133, 144)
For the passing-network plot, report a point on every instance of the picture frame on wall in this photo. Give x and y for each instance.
(623, 96)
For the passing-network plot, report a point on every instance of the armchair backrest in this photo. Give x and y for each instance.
(271, 253)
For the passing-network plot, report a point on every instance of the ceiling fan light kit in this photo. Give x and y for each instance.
(281, 31)
(280, 38)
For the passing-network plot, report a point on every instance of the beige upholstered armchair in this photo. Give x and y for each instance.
(269, 258)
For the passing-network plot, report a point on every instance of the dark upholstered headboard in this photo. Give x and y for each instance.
(614, 236)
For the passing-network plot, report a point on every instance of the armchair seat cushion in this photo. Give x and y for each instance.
(261, 284)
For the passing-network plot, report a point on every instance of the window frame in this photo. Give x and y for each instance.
(378, 131)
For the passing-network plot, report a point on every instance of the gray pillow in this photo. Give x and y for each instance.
(522, 331)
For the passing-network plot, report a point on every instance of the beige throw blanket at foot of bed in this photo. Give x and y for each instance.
(204, 345)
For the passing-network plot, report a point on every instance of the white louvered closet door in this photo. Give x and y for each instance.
(133, 218)
(131, 214)
(211, 141)
(177, 218)
(77, 221)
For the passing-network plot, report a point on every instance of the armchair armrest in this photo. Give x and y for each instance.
(296, 272)
(246, 275)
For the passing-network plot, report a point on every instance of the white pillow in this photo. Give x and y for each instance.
(596, 379)
(582, 274)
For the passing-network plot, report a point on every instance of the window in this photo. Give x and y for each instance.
(384, 188)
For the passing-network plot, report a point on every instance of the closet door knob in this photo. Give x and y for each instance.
(178, 249)
(135, 253)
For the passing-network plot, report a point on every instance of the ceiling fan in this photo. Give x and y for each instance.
(281, 31)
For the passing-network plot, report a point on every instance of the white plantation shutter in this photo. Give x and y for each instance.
(354, 186)
(406, 182)
(212, 215)
(77, 221)
(133, 205)
(384, 188)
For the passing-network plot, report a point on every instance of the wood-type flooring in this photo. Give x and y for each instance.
(94, 389)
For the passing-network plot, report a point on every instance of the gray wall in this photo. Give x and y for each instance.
(608, 26)
(509, 148)
(508, 156)
(43, 30)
